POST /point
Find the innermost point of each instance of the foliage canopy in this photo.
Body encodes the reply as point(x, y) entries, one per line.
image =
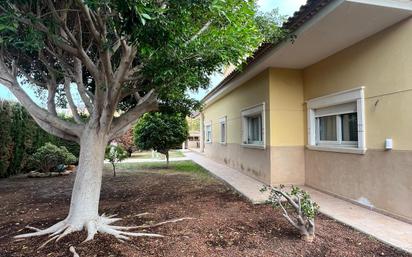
point(124, 47)
point(160, 132)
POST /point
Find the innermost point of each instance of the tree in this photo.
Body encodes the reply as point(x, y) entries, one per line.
point(160, 132)
point(269, 25)
point(304, 209)
point(115, 154)
point(126, 141)
point(124, 57)
point(6, 140)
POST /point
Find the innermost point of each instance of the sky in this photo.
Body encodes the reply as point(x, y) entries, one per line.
point(286, 7)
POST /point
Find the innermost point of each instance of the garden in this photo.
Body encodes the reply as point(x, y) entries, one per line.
point(222, 224)
point(126, 71)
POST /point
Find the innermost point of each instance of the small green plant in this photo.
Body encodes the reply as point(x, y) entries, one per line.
point(298, 208)
point(49, 156)
point(115, 154)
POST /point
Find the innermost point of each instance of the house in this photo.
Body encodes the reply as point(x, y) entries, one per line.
point(331, 110)
point(193, 139)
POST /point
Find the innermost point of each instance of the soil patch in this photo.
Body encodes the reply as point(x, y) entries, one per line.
point(225, 224)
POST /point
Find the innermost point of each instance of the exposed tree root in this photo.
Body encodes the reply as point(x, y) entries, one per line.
point(73, 251)
point(101, 224)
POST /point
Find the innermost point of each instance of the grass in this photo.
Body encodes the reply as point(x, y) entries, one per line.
point(148, 155)
point(187, 167)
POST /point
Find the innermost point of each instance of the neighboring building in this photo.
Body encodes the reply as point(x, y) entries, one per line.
point(193, 140)
point(332, 110)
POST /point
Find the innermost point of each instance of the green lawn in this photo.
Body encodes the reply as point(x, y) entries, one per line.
point(188, 167)
point(148, 155)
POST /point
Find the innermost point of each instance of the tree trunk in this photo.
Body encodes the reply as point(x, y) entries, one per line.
point(167, 159)
point(86, 190)
point(84, 205)
point(114, 169)
point(307, 232)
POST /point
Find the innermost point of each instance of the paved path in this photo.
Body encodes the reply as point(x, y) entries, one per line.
point(245, 185)
point(386, 229)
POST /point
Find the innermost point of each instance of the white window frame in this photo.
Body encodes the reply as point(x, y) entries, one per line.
point(355, 95)
point(222, 121)
point(249, 112)
point(208, 140)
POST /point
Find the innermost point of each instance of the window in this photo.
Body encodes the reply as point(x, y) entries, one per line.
point(339, 129)
point(253, 126)
point(208, 132)
point(223, 129)
point(254, 129)
point(336, 122)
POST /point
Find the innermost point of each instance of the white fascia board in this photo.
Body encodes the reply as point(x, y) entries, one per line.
point(396, 4)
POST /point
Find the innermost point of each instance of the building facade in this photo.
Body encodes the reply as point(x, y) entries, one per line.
point(331, 110)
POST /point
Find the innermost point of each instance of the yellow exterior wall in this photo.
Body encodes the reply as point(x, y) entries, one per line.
point(383, 65)
point(286, 107)
point(253, 92)
point(252, 161)
point(286, 127)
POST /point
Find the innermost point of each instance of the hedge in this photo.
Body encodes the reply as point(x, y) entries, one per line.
point(20, 137)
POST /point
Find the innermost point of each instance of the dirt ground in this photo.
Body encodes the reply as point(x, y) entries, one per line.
point(225, 224)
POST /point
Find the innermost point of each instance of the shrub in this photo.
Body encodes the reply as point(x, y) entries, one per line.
point(303, 209)
point(20, 137)
point(115, 154)
point(47, 157)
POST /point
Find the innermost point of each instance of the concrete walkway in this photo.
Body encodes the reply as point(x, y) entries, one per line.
point(245, 185)
point(386, 229)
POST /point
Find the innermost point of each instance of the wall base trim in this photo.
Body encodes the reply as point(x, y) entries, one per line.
point(377, 210)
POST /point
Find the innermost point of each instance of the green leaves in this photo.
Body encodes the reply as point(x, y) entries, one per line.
point(269, 26)
point(184, 42)
point(179, 43)
point(144, 17)
point(307, 206)
point(160, 131)
point(115, 153)
point(49, 156)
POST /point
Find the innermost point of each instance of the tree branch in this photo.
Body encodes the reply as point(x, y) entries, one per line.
point(82, 54)
point(51, 94)
point(42, 28)
point(122, 124)
point(56, 132)
point(86, 98)
point(200, 32)
point(86, 12)
point(37, 112)
point(70, 101)
point(123, 70)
